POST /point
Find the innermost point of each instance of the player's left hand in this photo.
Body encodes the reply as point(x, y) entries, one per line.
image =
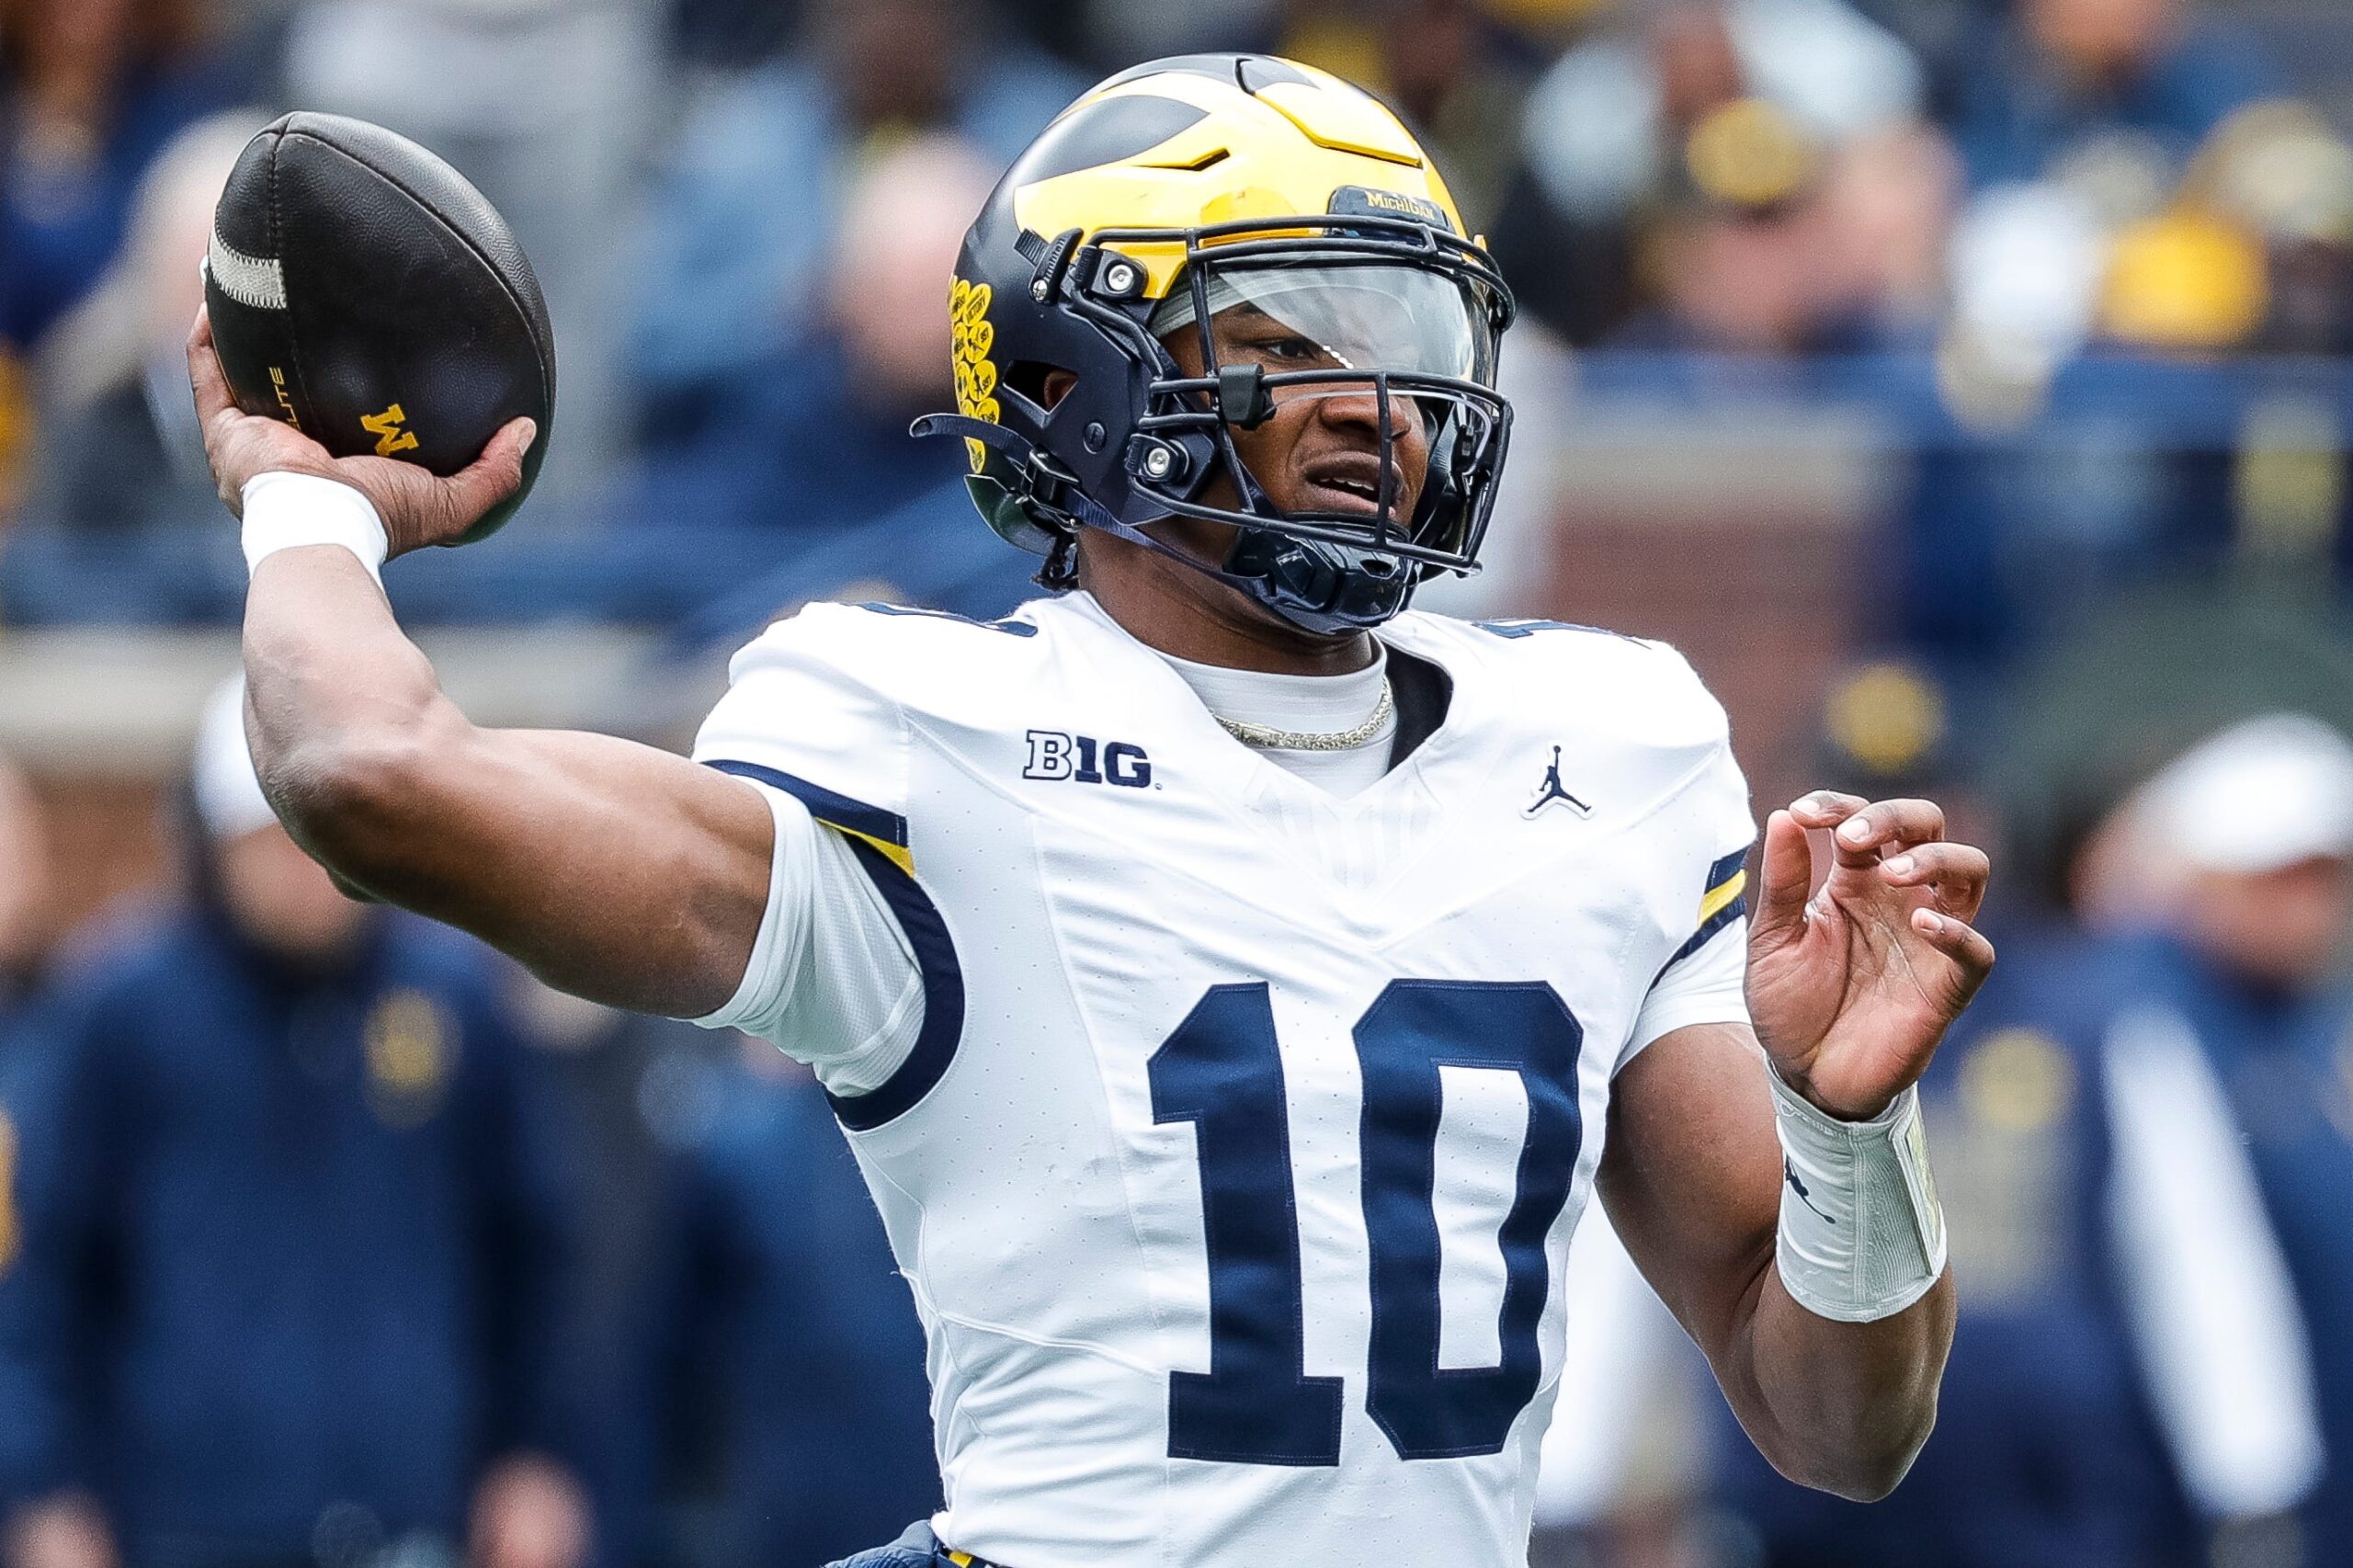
point(1852, 987)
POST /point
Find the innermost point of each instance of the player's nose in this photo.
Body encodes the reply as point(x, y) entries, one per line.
point(1358, 412)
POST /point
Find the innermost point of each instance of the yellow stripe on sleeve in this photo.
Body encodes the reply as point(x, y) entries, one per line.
point(1721, 895)
point(897, 854)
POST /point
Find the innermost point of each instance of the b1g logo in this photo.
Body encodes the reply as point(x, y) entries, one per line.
point(1054, 754)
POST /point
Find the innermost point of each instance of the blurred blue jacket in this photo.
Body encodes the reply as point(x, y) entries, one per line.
point(794, 1404)
point(291, 1243)
point(2285, 1063)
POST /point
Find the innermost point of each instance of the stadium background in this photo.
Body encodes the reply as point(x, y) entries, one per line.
point(1963, 384)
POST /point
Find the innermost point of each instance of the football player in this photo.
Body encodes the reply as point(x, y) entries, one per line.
point(1234, 983)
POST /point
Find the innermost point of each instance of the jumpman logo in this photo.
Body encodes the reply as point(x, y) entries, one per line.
point(1790, 1174)
point(1552, 791)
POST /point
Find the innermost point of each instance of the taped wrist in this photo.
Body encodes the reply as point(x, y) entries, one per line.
point(1861, 1236)
point(285, 511)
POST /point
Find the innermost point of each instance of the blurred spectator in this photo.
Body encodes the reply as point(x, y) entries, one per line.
point(90, 91)
point(815, 435)
point(2242, 977)
point(1778, 248)
point(2151, 79)
point(1739, 102)
point(2232, 465)
point(1453, 69)
point(124, 452)
point(750, 221)
point(812, 442)
point(94, 88)
point(25, 884)
point(547, 107)
point(292, 1238)
point(795, 1407)
point(25, 881)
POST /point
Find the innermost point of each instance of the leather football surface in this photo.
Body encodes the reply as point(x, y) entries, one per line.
point(360, 289)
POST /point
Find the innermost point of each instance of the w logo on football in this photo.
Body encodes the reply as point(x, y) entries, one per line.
point(386, 428)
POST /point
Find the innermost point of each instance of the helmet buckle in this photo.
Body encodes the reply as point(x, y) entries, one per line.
point(1156, 461)
point(1052, 263)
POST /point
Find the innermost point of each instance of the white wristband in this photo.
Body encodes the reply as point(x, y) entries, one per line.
point(1861, 1235)
point(285, 511)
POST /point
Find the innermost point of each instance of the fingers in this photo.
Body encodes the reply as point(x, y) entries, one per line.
point(493, 476)
point(1890, 823)
point(1783, 881)
point(1860, 830)
point(1956, 873)
point(204, 374)
point(1959, 941)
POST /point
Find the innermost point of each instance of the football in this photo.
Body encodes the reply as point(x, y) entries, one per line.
point(360, 289)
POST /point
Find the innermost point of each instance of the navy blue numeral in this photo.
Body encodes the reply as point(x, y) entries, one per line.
point(1415, 1027)
point(1222, 1072)
point(1222, 1069)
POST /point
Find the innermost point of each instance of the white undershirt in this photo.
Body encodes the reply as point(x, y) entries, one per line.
point(1313, 705)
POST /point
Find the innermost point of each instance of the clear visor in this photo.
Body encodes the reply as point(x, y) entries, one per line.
point(1362, 317)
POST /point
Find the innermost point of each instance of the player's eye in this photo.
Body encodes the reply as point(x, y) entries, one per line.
point(1283, 348)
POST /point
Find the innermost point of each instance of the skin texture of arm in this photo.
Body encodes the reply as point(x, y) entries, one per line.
point(613, 870)
point(1852, 983)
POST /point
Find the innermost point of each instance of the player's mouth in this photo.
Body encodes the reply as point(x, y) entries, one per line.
point(1347, 483)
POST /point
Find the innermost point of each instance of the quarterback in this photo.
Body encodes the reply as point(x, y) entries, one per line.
point(1234, 984)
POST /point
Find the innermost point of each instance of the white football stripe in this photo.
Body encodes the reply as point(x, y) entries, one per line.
point(250, 280)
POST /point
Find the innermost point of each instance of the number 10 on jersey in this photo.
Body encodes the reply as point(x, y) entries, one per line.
point(1222, 1069)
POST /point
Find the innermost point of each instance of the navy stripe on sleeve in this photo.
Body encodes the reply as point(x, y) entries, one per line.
point(824, 804)
point(943, 1000)
point(1715, 922)
point(926, 933)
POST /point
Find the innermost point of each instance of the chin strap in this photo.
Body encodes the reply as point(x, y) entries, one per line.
point(1094, 515)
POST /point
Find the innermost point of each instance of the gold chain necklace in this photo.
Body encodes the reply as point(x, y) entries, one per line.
point(1266, 738)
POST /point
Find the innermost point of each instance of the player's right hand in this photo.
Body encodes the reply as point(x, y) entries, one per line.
point(418, 507)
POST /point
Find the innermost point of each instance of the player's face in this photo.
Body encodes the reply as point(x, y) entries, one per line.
point(1321, 449)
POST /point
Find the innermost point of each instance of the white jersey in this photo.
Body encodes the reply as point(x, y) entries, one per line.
point(1234, 1159)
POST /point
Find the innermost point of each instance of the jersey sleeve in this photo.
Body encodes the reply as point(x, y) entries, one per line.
point(799, 718)
point(833, 980)
point(1709, 987)
point(1704, 982)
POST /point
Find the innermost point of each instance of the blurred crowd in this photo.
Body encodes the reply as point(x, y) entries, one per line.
point(2089, 263)
point(329, 1240)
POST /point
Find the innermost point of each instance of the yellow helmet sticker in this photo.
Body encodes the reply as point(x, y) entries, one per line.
point(968, 312)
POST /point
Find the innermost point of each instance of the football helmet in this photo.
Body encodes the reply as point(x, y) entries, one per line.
point(1165, 200)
